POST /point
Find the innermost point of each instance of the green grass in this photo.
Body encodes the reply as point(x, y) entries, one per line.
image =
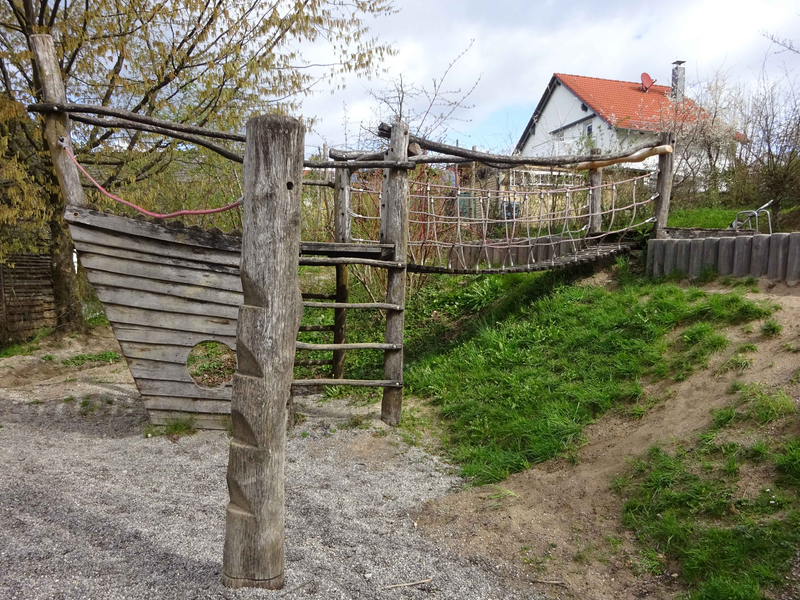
point(25, 348)
point(211, 363)
point(520, 384)
point(81, 359)
point(179, 426)
point(788, 462)
point(771, 328)
point(711, 218)
point(727, 547)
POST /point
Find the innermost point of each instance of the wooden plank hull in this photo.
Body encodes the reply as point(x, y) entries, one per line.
point(164, 290)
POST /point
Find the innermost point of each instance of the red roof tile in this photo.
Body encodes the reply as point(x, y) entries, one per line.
point(623, 103)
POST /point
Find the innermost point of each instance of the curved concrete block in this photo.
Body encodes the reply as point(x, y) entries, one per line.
point(684, 252)
point(658, 258)
point(725, 259)
point(741, 255)
point(778, 253)
point(759, 255)
point(793, 259)
point(710, 254)
point(696, 258)
point(670, 256)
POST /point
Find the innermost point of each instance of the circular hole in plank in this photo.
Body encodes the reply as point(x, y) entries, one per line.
point(211, 364)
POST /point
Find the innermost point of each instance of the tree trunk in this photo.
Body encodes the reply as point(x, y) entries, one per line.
point(69, 311)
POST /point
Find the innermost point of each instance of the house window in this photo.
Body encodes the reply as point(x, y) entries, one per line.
point(584, 108)
point(589, 130)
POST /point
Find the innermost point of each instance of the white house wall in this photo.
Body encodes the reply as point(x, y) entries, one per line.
point(564, 108)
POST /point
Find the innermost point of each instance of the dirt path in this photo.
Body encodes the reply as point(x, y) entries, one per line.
point(90, 508)
point(561, 522)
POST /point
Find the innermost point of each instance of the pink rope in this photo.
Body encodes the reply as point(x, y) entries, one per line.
point(208, 211)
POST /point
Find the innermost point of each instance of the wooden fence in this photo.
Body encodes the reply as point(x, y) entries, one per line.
point(26, 297)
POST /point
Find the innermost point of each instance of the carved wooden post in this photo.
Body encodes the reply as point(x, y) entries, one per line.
point(265, 344)
point(56, 126)
point(341, 225)
point(663, 186)
point(394, 230)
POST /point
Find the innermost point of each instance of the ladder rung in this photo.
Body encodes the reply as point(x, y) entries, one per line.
point(352, 305)
point(317, 328)
point(308, 261)
point(366, 346)
point(311, 363)
point(353, 382)
point(319, 296)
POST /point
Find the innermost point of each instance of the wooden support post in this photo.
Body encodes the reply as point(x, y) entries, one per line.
point(269, 319)
point(595, 200)
point(341, 225)
point(56, 125)
point(666, 164)
point(394, 230)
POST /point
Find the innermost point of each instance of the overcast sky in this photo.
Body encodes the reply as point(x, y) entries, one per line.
point(519, 44)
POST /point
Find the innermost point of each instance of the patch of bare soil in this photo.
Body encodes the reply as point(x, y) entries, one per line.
point(558, 524)
point(42, 375)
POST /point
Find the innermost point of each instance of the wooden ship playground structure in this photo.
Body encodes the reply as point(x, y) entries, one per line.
point(165, 288)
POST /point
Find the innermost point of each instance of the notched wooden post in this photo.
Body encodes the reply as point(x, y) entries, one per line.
point(56, 126)
point(267, 329)
point(394, 230)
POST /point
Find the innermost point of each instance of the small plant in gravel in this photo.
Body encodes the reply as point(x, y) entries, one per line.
point(738, 362)
point(81, 359)
point(744, 348)
point(48, 358)
point(68, 399)
point(35, 402)
point(771, 328)
point(355, 422)
point(177, 427)
point(87, 407)
point(748, 328)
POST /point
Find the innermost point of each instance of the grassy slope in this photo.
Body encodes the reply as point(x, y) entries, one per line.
point(684, 504)
point(520, 391)
point(713, 218)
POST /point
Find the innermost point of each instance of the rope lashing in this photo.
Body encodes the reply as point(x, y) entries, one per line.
point(208, 211)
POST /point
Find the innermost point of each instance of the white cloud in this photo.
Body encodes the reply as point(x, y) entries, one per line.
point(519, 44)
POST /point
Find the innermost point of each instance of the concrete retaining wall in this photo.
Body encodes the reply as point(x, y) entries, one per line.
point(775, 256)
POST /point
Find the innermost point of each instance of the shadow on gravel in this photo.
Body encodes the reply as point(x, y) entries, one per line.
point(91, 416)
point(91, 546)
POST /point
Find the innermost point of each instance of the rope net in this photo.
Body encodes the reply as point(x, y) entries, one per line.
point(508, 221)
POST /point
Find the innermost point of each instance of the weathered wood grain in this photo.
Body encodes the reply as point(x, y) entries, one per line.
point(180, 389)
point(148, 300)
point(394, 230)
point(268, 323)
point(153, 335)
point(187, 405)
point(168, 320)
point(179, 290)
point(158, 259)
point(203, 421)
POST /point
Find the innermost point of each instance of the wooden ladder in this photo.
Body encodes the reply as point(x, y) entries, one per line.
point(390, 254)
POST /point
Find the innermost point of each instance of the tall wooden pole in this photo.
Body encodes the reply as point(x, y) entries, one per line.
point(56, 126)
point(666, 164)
point(595, 201)
point(394, 230)
point(267, 329)
point(341, 223)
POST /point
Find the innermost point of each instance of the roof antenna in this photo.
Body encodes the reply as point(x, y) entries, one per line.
point(647, 82)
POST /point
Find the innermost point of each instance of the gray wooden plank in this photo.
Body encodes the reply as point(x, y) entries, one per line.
point(156, 352)
point(159, 258)
point(179, 389)
point(168, 273)
point(149, 246)
point(139, 299)
point(166, 320)
point(201, 421)
point(153, 335)
point(187, 405)
point(164, 371)
point(179, 290)
point(93, 218)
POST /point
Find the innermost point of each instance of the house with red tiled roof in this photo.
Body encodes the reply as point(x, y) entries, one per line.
point(576, 113)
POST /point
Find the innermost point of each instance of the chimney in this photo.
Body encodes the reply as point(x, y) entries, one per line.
point(678, 80)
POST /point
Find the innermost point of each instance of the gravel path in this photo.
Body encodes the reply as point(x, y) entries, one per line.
point(89, 508)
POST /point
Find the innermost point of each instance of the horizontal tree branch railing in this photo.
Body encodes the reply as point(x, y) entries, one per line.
point(361, 346)
point(120, 113)
point(316, 328)
point(385, 130)
point(378, 305)
point(307, 261)
point(352, 382)
point(112, 123)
